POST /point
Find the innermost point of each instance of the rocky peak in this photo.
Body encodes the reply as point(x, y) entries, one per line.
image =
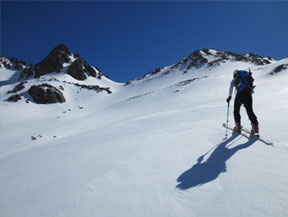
point(11, 63)
point(196, 59)
point(54, 61)
point(61, 49)
point(77, 67)
point(211, 58)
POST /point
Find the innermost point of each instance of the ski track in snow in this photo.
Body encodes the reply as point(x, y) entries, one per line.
point(158, 154)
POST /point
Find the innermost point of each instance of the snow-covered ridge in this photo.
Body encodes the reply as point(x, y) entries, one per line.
point(205, 58)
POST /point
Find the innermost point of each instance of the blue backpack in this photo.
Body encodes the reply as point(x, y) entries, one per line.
point(244, 81)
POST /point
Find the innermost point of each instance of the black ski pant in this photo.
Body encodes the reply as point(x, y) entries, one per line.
point(244, 97)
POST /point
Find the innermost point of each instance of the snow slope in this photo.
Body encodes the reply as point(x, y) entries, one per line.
point(152, 148)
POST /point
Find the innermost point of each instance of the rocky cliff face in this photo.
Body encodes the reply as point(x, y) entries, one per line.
point(79, 70)
point(56, 60)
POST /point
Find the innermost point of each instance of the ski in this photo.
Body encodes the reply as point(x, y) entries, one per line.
point(244, 131)
point(258, 137)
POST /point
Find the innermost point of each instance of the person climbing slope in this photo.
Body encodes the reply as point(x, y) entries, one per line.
point(243, 83)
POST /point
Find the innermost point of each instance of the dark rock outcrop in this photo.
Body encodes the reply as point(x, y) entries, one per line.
point(280, 68)
point(54, 61)
point(12, 63)
point(18, 65)
point(18, 87)
point(189, 81)
point(76, 70)
point(45, 94)
point(96, 88)
point(196, 59)
point(79, 68)
point(27, 72)
point(14, 98)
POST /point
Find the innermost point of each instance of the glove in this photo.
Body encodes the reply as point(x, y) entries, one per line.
point(228, 99)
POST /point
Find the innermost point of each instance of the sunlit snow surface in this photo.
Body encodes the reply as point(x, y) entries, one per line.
point(152, 148)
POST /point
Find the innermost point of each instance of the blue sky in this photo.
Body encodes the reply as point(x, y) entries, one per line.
point(129, 39)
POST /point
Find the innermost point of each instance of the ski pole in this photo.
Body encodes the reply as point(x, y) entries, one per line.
point(227, 121)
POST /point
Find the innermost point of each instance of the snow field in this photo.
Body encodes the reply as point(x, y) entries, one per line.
point(160, 153)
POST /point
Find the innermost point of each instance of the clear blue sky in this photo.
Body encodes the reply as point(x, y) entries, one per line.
point(128, 39)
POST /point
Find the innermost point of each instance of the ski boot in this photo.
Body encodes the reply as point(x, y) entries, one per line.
point(254, 130)
point(237, 127)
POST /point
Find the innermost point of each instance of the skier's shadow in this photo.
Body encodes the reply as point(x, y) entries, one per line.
point(202, 173)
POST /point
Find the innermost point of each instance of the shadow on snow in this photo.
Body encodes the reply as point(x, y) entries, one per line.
point(202, 173)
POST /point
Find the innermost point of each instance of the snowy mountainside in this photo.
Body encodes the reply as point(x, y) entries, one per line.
point(206, 58)
point(200, 64)
point(56, 75)
point(153, 147)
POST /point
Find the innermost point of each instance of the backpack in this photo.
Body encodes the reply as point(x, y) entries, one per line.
point(244, 81)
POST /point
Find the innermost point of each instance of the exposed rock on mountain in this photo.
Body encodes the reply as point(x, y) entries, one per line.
point(96, 88)
point(189, 81)
point(78, 69)
point(45, 93)
point(199, 58)
point(18, 87)
point(194, 60)
point(14, 98)
point(27, 72)
point(54, 61)
point(280, 68)
point(11, 63)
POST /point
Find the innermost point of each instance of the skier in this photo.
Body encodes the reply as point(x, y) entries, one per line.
point(243, 82)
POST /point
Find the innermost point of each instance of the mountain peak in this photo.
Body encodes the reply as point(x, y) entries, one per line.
point(60, 49)
point(212, 58)
point(54, 61)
